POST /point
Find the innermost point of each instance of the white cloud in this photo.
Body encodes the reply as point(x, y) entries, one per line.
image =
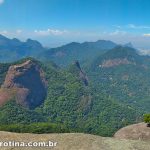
point(144, 51)
point(48, 32)
point(13, 33)
point(146, 34)
point(133, 26)
point(19, 31)
point(117, 26)
point(4, 32)
point(118, 32)
point(1, 2)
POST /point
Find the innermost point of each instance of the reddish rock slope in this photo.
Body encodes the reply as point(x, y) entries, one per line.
point(25, 83)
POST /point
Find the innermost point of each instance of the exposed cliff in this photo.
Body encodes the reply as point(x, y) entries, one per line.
point(114, 62)
point(25, 83)
point(77, 71)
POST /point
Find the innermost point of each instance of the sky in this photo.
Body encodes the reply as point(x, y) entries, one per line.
point(56, 22)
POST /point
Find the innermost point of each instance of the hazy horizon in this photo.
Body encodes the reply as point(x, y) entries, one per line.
point(57, 22)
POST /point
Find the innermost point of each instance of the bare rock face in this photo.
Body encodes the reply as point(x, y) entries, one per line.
point(114, 62)
point(82, 75)
point(138, 131)
point(73, 141)
point(26, 83)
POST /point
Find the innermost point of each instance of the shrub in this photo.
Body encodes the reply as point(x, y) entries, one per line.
point(147, 119)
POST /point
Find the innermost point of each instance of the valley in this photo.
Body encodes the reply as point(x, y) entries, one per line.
point(108, 91)
point(74, 75)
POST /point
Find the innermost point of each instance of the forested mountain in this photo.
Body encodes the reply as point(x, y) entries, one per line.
point(124, 75)
point(14, 49)
point(100, 88)
point(82, 52)
point(70, 99)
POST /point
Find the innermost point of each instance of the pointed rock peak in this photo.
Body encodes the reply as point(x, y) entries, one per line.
point(100, 41)
point(24, 64)
point(121, 51)
point(33, 43)
point(74, 43)
point(128, 45)
point(29, 40)
point(16, 40)
point(77, 71)
point(77, 64)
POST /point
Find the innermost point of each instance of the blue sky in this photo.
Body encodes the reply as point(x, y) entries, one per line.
point(55, 22)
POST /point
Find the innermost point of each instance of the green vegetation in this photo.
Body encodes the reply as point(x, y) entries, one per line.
point(14, 49)
point(3, 70)
point(38, 128)
point(128, 84)
point(12, 113)
point(113, 98)
point(109, 102)
point(83, 52)
point(147, 119)
point(82, 108)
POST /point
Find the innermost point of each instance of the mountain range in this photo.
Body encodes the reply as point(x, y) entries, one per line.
point(82, 52)
point(14, 49)
point(92, 87)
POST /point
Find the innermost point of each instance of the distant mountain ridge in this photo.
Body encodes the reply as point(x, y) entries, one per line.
point(14, 49)
point(127, 54)
point(68, 53)
point(128, 45)
point(106, 88)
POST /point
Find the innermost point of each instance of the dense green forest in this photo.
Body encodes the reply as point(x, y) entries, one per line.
point(129, 83)
point(38, 128)
point(79, 107)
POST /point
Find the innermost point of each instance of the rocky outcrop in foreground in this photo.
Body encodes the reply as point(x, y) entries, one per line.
point(138, 131)
point(75, 141)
